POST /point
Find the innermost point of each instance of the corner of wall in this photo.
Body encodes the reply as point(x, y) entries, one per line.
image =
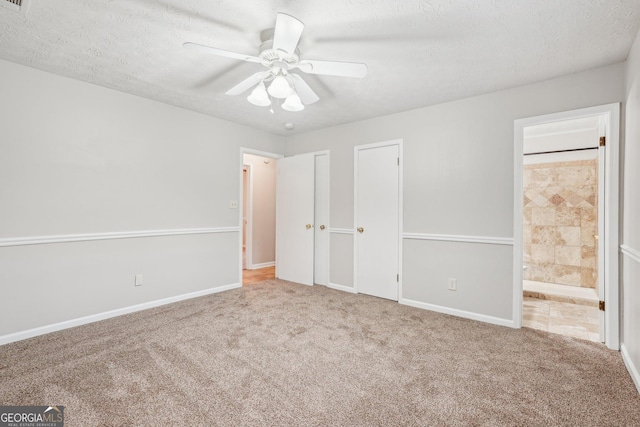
point(632, 69)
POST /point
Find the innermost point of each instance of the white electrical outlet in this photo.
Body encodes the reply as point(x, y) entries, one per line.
point(453, 284)
point(138, 281)
point(233, 204)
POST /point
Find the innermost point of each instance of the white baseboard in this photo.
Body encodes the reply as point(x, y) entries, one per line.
point(342, 288)
point(458, 313)
point(262, 265)
point(631, 367)
point(18, 336)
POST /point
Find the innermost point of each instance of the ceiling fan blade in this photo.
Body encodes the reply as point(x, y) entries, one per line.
point(220, 52)
point(331, 68)
point(306, 94)
point(246, 84)
point(287, 33)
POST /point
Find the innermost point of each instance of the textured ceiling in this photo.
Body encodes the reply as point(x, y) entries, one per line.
point(418, 52)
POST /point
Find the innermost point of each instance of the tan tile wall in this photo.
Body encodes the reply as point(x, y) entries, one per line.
point(560, 221)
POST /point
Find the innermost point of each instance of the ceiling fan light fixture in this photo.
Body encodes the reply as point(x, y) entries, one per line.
point(293, 103)
point(259, 96)
point(279, 53)
point(280, 88)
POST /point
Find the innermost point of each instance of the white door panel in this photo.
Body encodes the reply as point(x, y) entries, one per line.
point(294, 219)
point(377, 221)
point(321, 229)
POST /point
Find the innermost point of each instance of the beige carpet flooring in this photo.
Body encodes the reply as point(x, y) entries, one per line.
point(277, 353)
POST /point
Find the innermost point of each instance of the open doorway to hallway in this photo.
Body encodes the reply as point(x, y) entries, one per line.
point(258, 217)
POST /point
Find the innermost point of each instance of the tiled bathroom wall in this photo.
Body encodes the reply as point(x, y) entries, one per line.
point(560, 222)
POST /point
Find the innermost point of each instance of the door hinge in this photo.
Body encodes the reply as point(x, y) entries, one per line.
point(398, 161)
point(601, 305)
point(397, 278)
point(603, 141)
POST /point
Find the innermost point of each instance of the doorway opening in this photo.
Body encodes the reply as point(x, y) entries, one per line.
point(563, 190)
point(566, 223)
point(258, 212)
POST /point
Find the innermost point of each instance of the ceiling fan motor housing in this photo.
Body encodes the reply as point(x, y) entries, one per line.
point(270, 56)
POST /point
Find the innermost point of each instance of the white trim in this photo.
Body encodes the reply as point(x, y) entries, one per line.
point(341, 230)
point(563, 156)
point(327, 254)
point(259, 153)
point(17, 336)
point(630, 252)
point(609, 239)
point(457, 238)
point(400, 215)
point(562, 132)
point(262, 265)
point(601, 227)
point(356, 149)
point(66, 238)
point(457, 313)
point(633, 369)
point(343, 288)
point(248, 229)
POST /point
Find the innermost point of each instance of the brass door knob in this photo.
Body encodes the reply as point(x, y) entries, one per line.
point(360, 230)
point(322, 227)
point(309, 226)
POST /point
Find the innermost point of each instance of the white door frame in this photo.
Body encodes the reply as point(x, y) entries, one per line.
point(356, 149)
point(244, 151)
point(328, 225)
point(249, 228)
point(610, 243)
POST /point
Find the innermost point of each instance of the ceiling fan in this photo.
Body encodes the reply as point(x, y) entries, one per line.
point(280, 55)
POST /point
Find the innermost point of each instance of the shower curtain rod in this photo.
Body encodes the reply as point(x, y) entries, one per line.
point(562, 151)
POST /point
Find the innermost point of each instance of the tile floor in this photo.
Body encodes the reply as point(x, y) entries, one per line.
point(560, 293)
point(563, 318)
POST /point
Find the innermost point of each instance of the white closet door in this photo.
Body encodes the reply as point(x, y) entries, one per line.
point(294, 218)
point(377, 221)
point(321, 266)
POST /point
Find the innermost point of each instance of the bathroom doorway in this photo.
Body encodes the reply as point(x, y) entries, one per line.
point(561, 199)
point(566, 169)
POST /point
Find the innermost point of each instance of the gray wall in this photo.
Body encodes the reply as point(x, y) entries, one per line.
point(81, 159)
point(77, 158)
point(458, 181)
point(630, 342)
